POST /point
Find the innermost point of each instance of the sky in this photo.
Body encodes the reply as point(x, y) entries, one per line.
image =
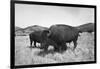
point(44, 15)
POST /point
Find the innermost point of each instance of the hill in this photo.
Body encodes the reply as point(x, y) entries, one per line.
point(17, 28)
point(26, 31)
point(89, 27)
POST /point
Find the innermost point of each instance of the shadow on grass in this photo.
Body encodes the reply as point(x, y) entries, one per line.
point(43, 53)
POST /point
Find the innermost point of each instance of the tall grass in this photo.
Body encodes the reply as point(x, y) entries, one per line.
point(26, 56)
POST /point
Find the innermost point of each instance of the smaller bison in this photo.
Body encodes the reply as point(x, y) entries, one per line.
point(41, 37)
point(36, 34)
point(36, 37)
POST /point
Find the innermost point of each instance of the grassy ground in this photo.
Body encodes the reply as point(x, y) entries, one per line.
point(27, 56)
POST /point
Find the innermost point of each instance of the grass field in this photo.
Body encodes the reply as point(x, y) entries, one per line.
point(29, 56)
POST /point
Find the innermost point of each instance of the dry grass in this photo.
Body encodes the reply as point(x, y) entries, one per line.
point(26, 56)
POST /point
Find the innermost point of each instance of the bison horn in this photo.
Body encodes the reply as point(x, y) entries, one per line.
point(49, 33)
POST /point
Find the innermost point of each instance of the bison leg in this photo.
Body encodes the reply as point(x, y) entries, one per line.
point(75, 43)
point(60, 48)
point(34, 43)
point(63, 47)
point(46, 48)
point(31, 43)
point(56, 49)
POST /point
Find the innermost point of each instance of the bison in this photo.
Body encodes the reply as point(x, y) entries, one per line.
point(41, 37)
point(36, 34)
point(36, 37)
point(60, 34)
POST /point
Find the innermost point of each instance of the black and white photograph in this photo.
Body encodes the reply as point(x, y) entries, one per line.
point(50, 34)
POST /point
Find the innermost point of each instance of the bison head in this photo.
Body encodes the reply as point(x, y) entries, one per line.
point(46, 41)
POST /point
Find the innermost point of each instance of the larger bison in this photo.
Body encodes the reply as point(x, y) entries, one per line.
point(60, 34)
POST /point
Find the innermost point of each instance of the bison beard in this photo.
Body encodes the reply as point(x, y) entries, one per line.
point(46, 41)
